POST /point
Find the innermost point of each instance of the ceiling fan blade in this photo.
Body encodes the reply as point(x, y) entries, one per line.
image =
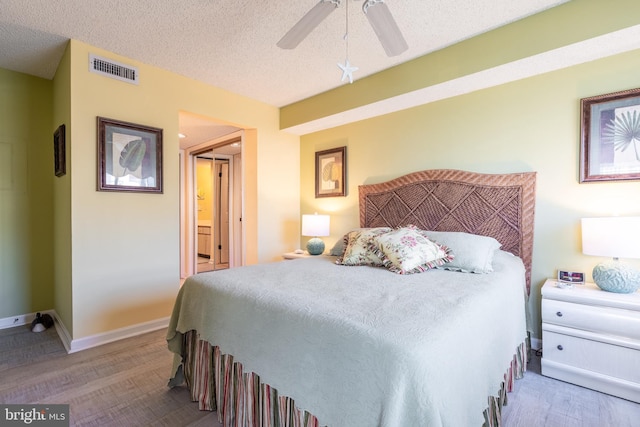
point(385, 27)
point(308, 22)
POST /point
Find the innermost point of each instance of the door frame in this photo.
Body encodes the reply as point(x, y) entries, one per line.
point(215, 211)
point(188, 244)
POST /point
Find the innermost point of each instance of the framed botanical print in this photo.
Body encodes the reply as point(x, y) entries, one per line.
point(331, 172)
point(610, 137)
point(129, 157)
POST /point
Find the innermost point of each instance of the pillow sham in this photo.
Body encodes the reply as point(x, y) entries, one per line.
point(340, 246)
point(406, 250)
point(357, 250)
point(473, 253)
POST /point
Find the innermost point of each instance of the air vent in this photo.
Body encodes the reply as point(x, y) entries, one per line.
point(113, 69)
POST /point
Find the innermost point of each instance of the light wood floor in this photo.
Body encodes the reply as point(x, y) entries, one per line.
point(117, 384)
point(541, 401)
point(124, 384)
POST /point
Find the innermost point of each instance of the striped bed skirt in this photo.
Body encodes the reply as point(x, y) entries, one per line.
point(219, 384)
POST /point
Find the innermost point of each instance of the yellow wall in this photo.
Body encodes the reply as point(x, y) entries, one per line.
point(63, 297)
point(125, 246)
point(26, 177)
point(529, 125)
point(205, 189)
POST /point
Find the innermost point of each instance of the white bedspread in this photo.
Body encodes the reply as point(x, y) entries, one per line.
point(361, 346)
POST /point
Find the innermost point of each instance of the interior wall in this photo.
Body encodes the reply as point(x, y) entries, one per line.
point(63, 296)
point(26, 201)
point(204, 191)
point(125, 257)
point(528, 125)
point(555, 28)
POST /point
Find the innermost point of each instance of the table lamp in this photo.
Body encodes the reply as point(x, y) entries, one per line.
point(315, 226)
point(616, 237)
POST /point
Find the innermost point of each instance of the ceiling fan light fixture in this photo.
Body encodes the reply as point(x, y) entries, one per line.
point(385, 27)
point(307, 24)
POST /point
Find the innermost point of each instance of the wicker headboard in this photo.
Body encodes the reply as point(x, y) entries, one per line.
point(498, 205)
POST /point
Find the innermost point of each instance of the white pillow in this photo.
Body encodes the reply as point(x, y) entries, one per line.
point(473, 253)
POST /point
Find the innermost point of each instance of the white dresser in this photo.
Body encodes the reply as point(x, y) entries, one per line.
point(592, 338)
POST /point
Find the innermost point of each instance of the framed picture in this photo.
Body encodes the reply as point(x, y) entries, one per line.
point(59, 151)
point(129, 157)
point(331, 172)
point(610, 137)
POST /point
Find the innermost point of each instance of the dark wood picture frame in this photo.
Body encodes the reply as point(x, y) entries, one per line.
point(59, 151)
point(331, 166)
point(610, 137)
point(129, 157)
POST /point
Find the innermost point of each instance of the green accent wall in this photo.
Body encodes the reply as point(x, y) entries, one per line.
point(554, 28)
point(26, 201)
point(528, 125)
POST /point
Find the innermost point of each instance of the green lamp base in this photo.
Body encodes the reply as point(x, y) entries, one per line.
point(315, 246)
point(615, 276)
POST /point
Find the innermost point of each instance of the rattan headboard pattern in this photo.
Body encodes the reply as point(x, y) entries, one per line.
point(501, 206)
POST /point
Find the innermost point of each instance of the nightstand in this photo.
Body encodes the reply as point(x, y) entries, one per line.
point(591, 338)
point(293, 255)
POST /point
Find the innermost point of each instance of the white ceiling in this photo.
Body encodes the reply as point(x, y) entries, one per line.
point(231, 44)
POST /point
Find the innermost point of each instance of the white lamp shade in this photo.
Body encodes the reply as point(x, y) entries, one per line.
point(315, 225)
point(615, 237)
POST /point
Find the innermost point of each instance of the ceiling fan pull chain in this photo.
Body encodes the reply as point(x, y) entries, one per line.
point(347, 68)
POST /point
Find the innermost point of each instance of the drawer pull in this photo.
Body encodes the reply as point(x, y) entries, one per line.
point(559, 314)
point(560, 347)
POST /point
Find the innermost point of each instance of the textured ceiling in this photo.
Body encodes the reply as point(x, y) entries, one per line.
point(231, 44)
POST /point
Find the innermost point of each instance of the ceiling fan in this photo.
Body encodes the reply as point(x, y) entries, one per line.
point(376, 12)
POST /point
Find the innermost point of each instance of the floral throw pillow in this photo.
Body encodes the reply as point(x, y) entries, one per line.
point(406, 251)
point(357, 249)
point(341, 245)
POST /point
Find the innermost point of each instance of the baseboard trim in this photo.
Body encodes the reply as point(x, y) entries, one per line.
point(91, 341)
point(62, 331)
point(22, 319)
point(73, 346)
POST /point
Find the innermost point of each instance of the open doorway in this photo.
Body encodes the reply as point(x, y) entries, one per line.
point(212, 195)
point(214, 173)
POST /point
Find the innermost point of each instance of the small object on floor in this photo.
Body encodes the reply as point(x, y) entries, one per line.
point(41, 322)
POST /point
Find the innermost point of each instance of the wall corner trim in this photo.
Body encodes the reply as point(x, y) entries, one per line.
point(73, 346)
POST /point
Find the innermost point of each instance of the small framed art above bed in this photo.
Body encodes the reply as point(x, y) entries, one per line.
point(343, 341)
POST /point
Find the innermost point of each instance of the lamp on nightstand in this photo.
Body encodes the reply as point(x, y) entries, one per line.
point(616, 237)
point(315, 226)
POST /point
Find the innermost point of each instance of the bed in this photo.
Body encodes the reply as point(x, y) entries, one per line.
point(314, 343)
